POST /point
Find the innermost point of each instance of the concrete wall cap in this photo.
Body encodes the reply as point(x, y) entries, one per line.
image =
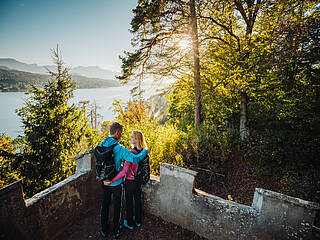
point(289, 199)
point(218, 200)
point(178, 169)
point(82, 154)
point(11, 187)
point(154, 178)
point(41, 195)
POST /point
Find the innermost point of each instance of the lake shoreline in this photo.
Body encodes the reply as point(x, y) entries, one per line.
point(10, 123)
point(1, 90)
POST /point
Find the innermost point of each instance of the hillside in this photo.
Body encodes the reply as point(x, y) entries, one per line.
point(90, 71)
point(157, 106)
point(15, 81)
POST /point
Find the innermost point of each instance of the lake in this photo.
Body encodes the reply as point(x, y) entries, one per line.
point(10, 123)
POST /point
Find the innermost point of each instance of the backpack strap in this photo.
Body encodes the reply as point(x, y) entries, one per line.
point(121, 163)
point(132, 172)
point(112, 146)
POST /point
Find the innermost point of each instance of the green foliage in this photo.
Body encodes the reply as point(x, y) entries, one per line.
point(165, 142)
point(167, 145)
point(215, 146)
point(285, 108)
point(7, 173)
point(53, 131)
point(105, 128)
point(181, 103)
point(278, 68)
point(92, 139)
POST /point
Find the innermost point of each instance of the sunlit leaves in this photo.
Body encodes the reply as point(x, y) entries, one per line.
point(165, 142)
point(7, 172)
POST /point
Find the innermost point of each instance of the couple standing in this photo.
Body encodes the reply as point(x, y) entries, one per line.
point(114, 187)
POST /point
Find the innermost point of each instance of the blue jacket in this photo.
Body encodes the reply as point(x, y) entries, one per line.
point(120, 152)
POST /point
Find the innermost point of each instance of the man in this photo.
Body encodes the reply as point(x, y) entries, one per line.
point(120, 152)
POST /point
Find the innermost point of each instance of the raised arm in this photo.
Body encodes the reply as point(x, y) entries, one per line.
point(130, 157)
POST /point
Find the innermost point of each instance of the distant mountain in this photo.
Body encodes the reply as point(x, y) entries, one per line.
point(3, 67)
point(94, 71)
point(15, 81)
point(91, 71)
point(16, 65)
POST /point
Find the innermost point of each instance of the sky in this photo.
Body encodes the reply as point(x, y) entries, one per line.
point(88, 32)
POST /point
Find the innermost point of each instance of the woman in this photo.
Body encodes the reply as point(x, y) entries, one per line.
point(132, 188)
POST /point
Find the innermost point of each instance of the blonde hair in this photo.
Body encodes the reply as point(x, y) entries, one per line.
point(141, 143)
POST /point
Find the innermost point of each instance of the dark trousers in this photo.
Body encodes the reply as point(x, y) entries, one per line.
point(133, 194)
point(107, 191)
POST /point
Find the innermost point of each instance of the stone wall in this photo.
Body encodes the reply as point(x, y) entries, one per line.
point(172, 197)
point(50, 212)
point(271, 216)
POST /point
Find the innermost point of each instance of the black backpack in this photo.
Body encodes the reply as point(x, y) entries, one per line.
point(142, 174)
point(105, 165)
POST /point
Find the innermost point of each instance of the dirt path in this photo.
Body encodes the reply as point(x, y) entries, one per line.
point(153, 228)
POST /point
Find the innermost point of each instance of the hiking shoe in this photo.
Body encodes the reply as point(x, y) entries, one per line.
point(117, 234)
point(125, 223)
point(104, 235)
point(137, 224)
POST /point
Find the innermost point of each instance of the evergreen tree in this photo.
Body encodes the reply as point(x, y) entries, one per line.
point(53, 130)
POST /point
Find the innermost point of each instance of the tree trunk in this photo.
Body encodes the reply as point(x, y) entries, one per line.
point(95, 115)
point(196, 70)
point(244, 130)
point(249, 17)
point(91, 117)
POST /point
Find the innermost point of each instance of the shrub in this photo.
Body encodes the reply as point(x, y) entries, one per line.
point(165, 142)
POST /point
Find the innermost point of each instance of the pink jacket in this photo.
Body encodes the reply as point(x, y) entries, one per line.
point(126, 171)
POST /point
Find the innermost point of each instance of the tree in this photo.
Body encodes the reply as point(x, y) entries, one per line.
point(196, 60)
point(286, 103)
point(52, 129)
point(159, 26)
point(240, 36)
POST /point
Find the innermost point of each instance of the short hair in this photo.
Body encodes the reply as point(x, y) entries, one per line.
point(114, 127)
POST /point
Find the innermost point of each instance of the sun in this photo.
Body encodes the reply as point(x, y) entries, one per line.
point(183, 44)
